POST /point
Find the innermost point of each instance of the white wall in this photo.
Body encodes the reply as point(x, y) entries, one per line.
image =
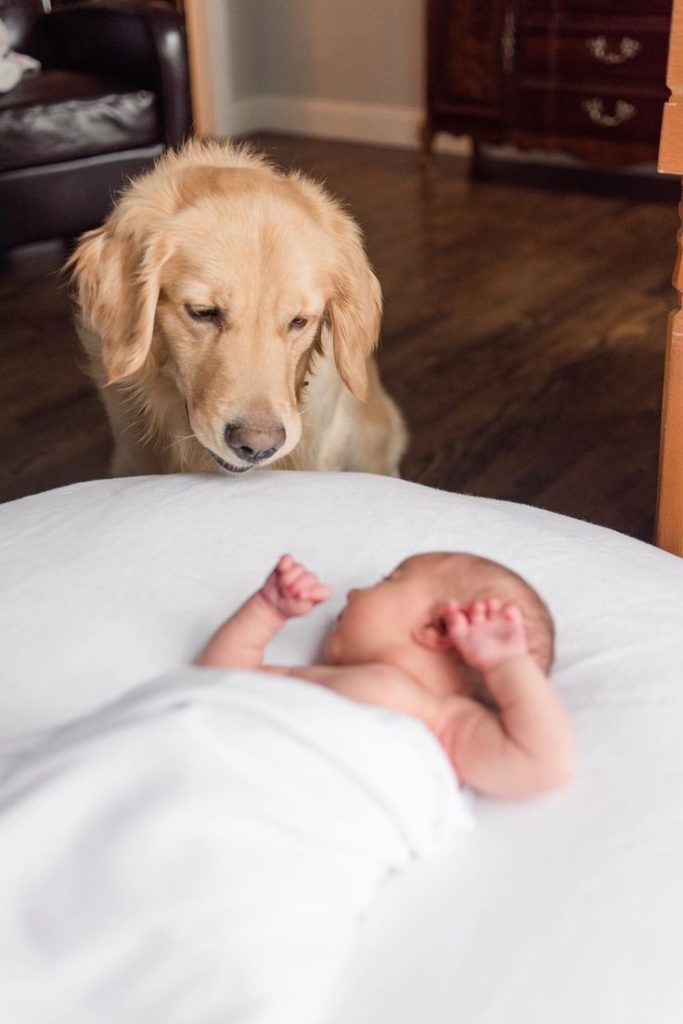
point(363, 51)
point(337, 68)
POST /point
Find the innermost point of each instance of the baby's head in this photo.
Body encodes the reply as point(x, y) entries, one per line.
point(406, 608)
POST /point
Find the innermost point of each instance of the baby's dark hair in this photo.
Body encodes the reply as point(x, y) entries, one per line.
point(470, 578)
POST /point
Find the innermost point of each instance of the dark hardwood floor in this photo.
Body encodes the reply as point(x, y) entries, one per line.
point(523, 337)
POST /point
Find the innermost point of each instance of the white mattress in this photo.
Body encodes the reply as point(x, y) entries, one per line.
point(566, 908)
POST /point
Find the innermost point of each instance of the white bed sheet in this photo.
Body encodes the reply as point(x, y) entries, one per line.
point(564, 909)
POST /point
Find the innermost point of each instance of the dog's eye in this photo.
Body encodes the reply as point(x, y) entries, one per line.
point(212, 313)
point(297, 323)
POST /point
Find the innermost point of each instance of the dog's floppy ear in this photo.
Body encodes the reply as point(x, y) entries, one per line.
point(118, 287)
point(355, 311)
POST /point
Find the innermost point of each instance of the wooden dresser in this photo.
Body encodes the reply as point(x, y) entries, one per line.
point(585, 77)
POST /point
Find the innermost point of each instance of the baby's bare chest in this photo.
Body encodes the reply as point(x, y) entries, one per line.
point(371, 682)
point(377, 684)
point(346, 675)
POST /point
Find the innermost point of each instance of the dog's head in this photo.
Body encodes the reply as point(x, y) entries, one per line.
point(223, 278)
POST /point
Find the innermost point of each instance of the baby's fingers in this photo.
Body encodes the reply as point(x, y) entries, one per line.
point(300, 582)
point(284, 563)
point(317, 593)
point(512, 611)
point(477, 612)
point(293, 575)
point(513, 614)
point(457, 623)
point(308, 587)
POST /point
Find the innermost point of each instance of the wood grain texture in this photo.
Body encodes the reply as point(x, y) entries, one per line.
point(555, 90)
point(523, 337)
point(669, 528)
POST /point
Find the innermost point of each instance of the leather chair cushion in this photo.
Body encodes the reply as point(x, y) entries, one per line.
point(20, 18)
point(60, 115)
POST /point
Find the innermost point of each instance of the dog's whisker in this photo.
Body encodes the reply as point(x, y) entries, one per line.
point(177, 441)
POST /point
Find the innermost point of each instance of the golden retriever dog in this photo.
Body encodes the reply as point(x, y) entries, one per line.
point(229, 313)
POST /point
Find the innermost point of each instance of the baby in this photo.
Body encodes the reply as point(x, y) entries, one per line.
point(460, 642)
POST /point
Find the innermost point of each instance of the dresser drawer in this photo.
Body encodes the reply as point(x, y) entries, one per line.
point(597, 8)
point(587, 77)
point(630, 117)
point(580, 54)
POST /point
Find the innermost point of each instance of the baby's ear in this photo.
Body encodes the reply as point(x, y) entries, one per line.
point(433, 634)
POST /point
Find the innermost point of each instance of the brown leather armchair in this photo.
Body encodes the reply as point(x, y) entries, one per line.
point(112, 94)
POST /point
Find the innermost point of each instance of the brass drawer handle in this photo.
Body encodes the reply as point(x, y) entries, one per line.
point(595, 109)
point(628, 49)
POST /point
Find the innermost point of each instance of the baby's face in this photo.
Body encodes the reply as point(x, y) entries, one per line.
point(382, 617)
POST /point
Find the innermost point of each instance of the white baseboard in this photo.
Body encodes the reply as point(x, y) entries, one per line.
point(376, 123)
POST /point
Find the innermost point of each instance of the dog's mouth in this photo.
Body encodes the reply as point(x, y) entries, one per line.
point(226, 465)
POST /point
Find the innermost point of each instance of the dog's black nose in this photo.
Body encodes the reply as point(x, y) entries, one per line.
point(254, 441)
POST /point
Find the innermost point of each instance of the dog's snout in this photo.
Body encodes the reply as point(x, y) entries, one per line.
point(254, 442)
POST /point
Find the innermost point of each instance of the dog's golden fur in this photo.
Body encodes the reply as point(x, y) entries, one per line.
point(225, 298)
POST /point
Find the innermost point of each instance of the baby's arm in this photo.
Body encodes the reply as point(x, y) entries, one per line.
point(289, 591)
point(528, 746)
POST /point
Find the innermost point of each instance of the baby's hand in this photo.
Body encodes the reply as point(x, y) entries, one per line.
point(292, 590)
point(487, 633)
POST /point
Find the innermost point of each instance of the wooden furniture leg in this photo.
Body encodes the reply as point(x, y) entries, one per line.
point(669, 533)
point(669, 530)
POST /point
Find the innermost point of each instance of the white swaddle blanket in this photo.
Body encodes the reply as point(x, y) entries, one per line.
point(201, 850)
